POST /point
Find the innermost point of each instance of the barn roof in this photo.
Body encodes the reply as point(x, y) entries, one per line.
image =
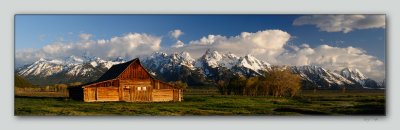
point(115, 71)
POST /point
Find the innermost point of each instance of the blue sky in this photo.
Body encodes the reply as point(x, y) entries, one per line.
point(35, 31)
point(330, 41)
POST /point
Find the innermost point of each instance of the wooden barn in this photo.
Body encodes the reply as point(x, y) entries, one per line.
point(129, 82)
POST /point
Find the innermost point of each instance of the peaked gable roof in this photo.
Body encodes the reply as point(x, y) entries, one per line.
point(115, 71)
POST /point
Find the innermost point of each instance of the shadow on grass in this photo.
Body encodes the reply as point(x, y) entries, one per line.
point(300, 111)
point(365, 109)
point(58, 98)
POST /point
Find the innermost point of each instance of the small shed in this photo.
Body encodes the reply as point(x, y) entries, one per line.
point(129, 82)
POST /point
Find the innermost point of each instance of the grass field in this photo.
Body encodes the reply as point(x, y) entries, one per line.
point(307, 103)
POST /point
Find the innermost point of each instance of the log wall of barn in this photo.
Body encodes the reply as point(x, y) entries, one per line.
point(107, 94)
point(105, 91)
point(136, 91)
point(159, 95)
point(132, 91)
point(134, 84)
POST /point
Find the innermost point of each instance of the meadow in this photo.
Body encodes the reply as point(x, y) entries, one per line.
point(205, 102)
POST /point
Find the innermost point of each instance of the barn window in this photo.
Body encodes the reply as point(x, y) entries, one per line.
point(139, 88)
point(144, 88)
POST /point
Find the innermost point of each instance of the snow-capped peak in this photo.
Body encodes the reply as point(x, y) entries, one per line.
point(186, 55)
point(161, 62)
point(212, 58)
point(72, 65)
point(42, 67)
point(352, 73)
point(355, 75)
point(247, 65)
point(182, 58)
point(253, 63)
point(212, 64)
point(41, 59)
point(320, 75)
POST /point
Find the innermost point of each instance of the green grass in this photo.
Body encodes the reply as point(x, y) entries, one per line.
point(334, 103)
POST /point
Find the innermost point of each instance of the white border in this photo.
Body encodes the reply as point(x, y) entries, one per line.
point(9, 8)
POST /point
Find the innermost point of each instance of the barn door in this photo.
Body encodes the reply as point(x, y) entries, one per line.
point(141, 94)
point(126, 93)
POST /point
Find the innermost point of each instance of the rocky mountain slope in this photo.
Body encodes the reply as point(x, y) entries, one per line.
point(208, 68)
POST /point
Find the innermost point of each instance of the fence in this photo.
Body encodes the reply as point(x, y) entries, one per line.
point(42, 92)
point(201, 92)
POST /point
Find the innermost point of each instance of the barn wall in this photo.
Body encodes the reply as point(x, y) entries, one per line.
point(107, 94)
point(132, 91)
point(159, 95)
point(89, 94)
point(136, 91)
point(177, 96)
point(134, 84)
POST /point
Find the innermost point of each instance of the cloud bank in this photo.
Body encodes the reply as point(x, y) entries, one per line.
point(268, 45)
point(129, 46)
point(265, 44)
point(342, 23)
point(334, 58)
point(271, 46)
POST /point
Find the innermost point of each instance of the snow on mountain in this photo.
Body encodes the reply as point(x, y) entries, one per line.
point(253, 63)
point(321, 76)
point(214, 59)
point(73, 66)
point(163, 62)
point(42, 68)
point(173, 67)
point(96, 62)
point(212, 65)
point(210, 58)
point(183, 58)
point(356, 76)
point(353, 74)
point(240, 65)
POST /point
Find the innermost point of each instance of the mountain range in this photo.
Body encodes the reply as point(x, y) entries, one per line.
point(207, 69)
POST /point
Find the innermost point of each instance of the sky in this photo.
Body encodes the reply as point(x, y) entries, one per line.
point(330, 41)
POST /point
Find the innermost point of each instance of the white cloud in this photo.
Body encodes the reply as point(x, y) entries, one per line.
point(85, 36)
point(178, 44)
point(176, 33)
point(128, 46)
point(266, 44)
point(269, 45)
point(342, 23)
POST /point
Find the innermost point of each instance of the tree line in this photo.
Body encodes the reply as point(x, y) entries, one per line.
point(277, 82)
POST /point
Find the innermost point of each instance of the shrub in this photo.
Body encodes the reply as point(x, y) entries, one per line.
point(282, 82)
point(179, 84)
